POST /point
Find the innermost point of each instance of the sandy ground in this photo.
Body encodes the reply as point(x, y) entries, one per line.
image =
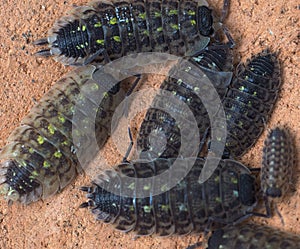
point(58, 222)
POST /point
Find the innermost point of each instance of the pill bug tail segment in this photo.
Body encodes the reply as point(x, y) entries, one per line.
point(41, 155)
point(254, 236)
point(188, 206)
point(250, 100)
point(277, 166)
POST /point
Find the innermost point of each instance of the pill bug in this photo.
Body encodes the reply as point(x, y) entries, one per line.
point(228, 196)
point(252, 236)
point(39, 158)
point(277, 164)
point(112, 29)
point(249, 102)
point(216, 63)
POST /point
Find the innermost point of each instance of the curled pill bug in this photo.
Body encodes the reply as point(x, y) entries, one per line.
point(252, 236)
point(108, 30)
point(228, 196)
point(40, 157)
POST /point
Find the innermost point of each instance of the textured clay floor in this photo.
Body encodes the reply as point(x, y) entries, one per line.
point(58, 222)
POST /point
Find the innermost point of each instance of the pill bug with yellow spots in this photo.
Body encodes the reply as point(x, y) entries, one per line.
point(112, 29)
point(277, 164)
point(249, 101)
point(40, 156)
point(252, 236)
point(216, 63)
point(229, 195)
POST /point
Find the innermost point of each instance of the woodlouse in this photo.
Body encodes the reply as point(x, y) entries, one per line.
point(252, 236)
point(249, 102)
point(39, 158)
point(228, 196)
point(112, 29)
point(277, 164)
point(215, 62)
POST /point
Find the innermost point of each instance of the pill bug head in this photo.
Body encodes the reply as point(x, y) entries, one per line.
point(205, 21)
point(16, 183)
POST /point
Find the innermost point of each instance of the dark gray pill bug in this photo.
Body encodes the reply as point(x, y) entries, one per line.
point(215, 66)
point(228, 196)
point(249, 101)
point(277, 164)
point(111, 29)
point(40, 157)
point(252, 236)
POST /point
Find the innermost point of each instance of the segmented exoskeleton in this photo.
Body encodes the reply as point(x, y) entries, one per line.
point(252, 236)
point(112, 29)
point(277, 164)
point(40, 157)
point(214, 65)
point(228, 196)
point(249, 102)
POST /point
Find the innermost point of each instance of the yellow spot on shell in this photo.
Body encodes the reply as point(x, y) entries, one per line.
point(40, 140)
point(101, 42)
point(157, 14)
point(83, 28)
point(113, 21)
point(51, 129)
point(173, 12)
point(234, 180)
point(97, 25)
point(146, 32)
point(191, 13)
point(146, 187)
point(218, 199)
point(61, 119)
point(131, 186)
point(193, 22)
point(46, 164)
point(174, 26)
point(58, 154)
point(34, 174)
point(31, 150)
point(117, 38)
point(142, 15)
point(160, 29)
point(65, 143)
point(147, 209)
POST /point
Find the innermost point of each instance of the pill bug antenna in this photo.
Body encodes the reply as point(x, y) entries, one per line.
point(124, 160)
point(225, 10)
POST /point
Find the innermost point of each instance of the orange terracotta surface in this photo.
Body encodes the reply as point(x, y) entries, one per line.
point(58, 222)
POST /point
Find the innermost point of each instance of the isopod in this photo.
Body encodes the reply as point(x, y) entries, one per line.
point(252, 236)
point(277, 164)
point(215, 63)
point(40, 157)
point(249, 102)
point(110, 30)
point(228, 196)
